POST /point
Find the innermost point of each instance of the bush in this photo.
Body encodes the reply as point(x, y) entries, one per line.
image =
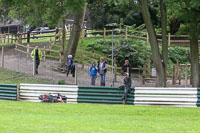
point(178, 53)
point(61, 82)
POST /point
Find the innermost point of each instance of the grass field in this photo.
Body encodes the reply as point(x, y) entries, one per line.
point(12, 77)
point(25, 117)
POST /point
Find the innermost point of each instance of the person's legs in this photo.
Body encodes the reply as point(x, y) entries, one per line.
point(68, 70)
point(37, 63)
point(93, 78)
point(101, 79)
point(124, 97)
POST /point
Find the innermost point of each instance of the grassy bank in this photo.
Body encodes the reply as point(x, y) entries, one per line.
point(12, 77)
point(23, 117)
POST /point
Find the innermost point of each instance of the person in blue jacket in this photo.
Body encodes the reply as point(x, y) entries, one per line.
point(93, 73)
point(71, 66)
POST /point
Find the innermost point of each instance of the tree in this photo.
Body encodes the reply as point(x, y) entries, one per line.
point(157, 59)
point(75, 35)
point(189, 13)
point(50, 12)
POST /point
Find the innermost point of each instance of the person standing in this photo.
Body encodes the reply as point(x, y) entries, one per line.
point(93, 73)
point(71, 66)
point(126, 87)
point(37, 55)
point(102, 69)
point(127, 67)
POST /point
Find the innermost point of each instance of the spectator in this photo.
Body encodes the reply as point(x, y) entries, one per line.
point(37, 55)
point(126, 87)
point(127, 67)
point(102, 69)
point(70, 66)
point(93, 73)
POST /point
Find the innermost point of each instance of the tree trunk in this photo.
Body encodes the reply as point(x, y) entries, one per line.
point(160, 81)
point(194, 48)
point(63, 35)
point(164, 34)
point(75, 35)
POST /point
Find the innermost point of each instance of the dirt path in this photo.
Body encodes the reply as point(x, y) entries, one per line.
point(20, 63)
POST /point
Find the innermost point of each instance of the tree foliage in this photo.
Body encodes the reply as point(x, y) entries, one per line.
point(41, 12)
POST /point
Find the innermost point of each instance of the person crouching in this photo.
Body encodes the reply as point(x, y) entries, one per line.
point(93, 73)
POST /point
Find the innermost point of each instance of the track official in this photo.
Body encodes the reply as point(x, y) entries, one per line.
point(37, 54)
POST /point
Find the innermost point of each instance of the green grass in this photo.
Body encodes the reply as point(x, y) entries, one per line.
point(12, 77)
point(25, 117)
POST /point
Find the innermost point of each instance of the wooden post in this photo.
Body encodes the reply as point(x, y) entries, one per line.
point(28, 50)
point(82, 58)
point(190, 75)
point(44, 53)
point(60, 57)
point(186, 75)
point(169, 39)
point(149, 68)
point(75, 79)
point(179, 76)
point(4, 39)
point(8, 36)
point(15, 38)
point(144, 74)
point(126, 32)
point(34, 66)
point(0, 38)
point(174, 75)
point(104, 33)
point(2, 57)
point(115, 70)
point(11, 38)
point(147, 38)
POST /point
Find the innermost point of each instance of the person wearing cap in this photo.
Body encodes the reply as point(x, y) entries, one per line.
point(127, 67)
point(126, 87)
point(93, 73)
point(102, 69)
point(71, 66)
point(37, 55)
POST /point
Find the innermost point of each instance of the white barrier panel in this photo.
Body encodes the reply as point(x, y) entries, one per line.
point(31, 92)
point(179, 97)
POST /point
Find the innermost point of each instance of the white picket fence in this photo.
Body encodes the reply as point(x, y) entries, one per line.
point(31, 92)
point(179, 97)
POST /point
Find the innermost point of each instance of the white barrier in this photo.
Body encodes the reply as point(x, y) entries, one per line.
point(31, 92)
point(179, 97)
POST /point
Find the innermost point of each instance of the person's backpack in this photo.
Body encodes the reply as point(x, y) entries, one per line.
point(53, 98)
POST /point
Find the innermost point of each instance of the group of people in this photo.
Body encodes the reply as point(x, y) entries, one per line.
point(100, 68)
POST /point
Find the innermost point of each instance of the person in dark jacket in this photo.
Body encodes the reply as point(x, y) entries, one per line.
point(126, 87)
point(37, 55)
point(93, 73)
point(71, 66)
point(127, 67)
point(102, 69)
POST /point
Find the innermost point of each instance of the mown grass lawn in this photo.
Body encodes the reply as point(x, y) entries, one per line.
point(13, 77)
point(26, 117)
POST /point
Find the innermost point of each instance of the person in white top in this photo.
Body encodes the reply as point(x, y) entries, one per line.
point(102, 69)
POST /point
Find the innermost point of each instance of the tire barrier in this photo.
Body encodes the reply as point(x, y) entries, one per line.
point(8, 92)
point(31, 92)
point(179, 97)
point(106, 95)
point(144, 96)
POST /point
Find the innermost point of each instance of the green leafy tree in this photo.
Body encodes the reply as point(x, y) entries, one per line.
point(188, 11)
